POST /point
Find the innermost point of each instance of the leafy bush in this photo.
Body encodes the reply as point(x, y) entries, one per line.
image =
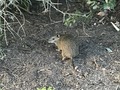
point(102, 4)
point(73, 18)
point(94, 5)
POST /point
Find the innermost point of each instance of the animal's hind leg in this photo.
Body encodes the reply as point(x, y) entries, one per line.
point(72, 63)
point(63, 56)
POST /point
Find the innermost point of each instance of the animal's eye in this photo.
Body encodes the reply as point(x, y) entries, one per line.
point(58, 36)
point(53, 39)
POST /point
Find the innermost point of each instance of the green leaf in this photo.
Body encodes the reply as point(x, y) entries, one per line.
point(43, 88)
point(50, 88)
point(109, 5)
point(38, 88)
point(46, 88)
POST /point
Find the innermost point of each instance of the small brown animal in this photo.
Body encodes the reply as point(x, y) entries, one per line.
point(66, 44)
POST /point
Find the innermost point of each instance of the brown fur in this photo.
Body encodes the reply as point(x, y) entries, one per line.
point(66, 44)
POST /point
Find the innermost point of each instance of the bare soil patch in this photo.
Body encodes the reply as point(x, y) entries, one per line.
point(33, 63)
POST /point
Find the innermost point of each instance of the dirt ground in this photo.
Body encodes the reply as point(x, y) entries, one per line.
point(33, 63)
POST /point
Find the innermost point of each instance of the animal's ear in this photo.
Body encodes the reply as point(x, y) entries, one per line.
point(58, 35)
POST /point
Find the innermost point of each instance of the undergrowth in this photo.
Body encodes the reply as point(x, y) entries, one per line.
point(9, 8)
point(93, 6)
point(8, 17)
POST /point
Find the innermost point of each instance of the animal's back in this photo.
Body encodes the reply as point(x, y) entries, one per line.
point(68, 46)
